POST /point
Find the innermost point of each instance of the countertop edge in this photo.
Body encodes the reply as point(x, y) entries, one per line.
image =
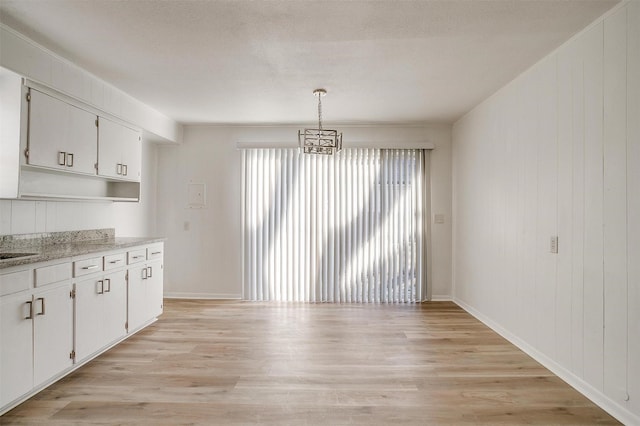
point(81, 248)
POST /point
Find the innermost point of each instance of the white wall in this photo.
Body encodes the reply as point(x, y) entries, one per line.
point(205, 259)
point(557, 152)
point(128, 219)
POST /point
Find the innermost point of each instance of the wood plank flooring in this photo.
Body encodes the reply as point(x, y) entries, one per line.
point(234, 363)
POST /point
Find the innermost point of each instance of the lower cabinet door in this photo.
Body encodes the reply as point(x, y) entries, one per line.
point(155, 290)
point(16, 361)
point(89, 315)
point(52, 331)
point(115, 306)
point(137, 302)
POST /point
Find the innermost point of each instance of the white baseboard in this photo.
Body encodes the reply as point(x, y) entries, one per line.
point(214, 296)
point(441, 298)
point(596, 396)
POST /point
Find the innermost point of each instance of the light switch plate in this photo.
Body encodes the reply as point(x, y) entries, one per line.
point(438, 218)
point(554, 244)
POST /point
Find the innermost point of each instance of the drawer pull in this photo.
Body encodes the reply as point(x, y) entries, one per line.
point(156, 252)
point(90, 267)
point(41, 299)
point(137, 257)
point(30, 303)
point(115, 261)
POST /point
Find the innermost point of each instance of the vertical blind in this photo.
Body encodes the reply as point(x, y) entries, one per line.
point(340, 228)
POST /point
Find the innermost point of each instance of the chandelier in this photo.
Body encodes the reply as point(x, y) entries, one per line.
point(320, 141)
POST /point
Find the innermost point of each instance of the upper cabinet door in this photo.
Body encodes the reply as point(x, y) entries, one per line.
point(109, 148)
point(119, 151)
point(61, 136)
point(132, 154)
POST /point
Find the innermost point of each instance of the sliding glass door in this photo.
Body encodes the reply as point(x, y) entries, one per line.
point(341, 228)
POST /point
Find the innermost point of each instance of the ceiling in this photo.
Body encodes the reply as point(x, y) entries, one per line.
point(257, 62)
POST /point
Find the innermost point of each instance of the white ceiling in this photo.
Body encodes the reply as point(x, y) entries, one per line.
point(259, 61)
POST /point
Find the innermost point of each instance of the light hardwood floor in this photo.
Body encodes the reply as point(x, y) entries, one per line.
point(230, 363)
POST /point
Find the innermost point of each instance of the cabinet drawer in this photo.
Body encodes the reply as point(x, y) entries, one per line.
point(155, 252)
point(15, 282)
point(135, 256)
point(114, 261)
point(87, 266)
point(52, 274)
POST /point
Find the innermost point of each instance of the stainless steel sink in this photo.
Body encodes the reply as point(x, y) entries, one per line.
point(12, 256)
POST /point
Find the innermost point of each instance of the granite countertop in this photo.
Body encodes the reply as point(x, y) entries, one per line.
point(60, 245)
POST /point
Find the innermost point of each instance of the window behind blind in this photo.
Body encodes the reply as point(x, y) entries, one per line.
point(341, 228)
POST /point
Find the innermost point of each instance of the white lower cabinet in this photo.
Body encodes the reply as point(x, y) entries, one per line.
point(16, 335)
point(52, 332)
point(101, 312)
point(115, 306)
point(155, 290)
point(47, 317)
point(36, 332)
point(137, 297)
point(145, 293)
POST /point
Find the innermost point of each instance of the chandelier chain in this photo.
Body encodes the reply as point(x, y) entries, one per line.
point(319, 112)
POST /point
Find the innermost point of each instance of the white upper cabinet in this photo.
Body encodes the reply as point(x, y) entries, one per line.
point(49, 147)
point(119, 151)
point(61, 136)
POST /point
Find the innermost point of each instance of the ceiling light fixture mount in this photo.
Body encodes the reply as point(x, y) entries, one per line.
point(320, 141)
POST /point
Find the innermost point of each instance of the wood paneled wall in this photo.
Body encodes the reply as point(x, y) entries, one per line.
point(557, 152)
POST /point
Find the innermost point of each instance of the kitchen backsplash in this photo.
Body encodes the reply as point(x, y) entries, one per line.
point(28, 217)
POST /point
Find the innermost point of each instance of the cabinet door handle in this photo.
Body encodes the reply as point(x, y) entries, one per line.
point(145, 273)
point(69, 160)
point(108, 280)
point(41, 299)
point(62, 158)
point(30, 303)
point(101, 282)
point(118, 169)
point(150, 273)
point(90, 267)
point(124, 169)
